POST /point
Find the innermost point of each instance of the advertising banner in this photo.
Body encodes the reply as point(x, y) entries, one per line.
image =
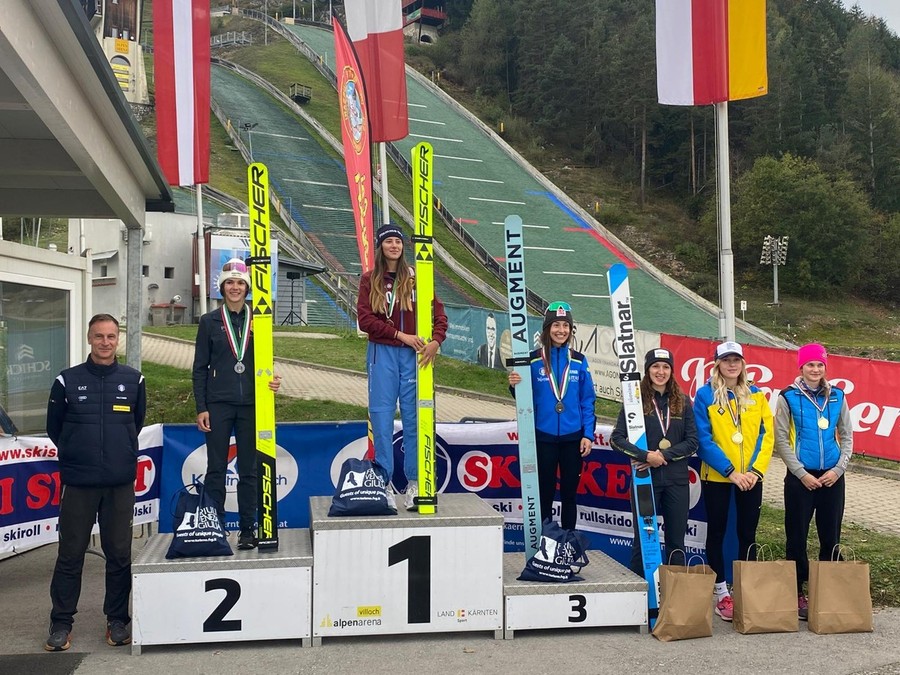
point(477, 458)
point(868, 384)
point(30, 488)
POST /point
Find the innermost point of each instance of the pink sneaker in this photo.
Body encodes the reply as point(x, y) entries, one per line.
point(802, 607)
point(725, 608)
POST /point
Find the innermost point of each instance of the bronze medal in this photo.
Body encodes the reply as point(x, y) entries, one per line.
point(560, 407)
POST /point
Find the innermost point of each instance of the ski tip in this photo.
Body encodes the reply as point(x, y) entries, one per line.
point(513, 221)
point(616, 275)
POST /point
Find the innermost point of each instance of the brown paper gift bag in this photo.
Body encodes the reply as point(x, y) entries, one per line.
point(685, 602)
point(839, 597)
point(765, 596)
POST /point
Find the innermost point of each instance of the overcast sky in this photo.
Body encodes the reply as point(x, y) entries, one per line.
point(889, 10)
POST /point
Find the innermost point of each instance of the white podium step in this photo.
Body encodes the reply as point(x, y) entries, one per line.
point(247, 596)
point(408, 573)
point(610, 595)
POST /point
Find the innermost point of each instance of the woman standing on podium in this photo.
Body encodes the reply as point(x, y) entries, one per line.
point(386, 310)
point(564, 418)
point(672, 435)
point(734, 427)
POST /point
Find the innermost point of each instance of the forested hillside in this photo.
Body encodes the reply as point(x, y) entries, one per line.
point(817, 159)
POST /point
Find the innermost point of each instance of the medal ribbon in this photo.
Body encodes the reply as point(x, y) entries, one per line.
point(808, 393)
point(236, 349)
point(732, 410)
point(559, 391)
point(662, 425)
point(390, 299)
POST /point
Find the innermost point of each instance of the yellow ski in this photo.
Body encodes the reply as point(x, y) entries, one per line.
point(261, 276)
point(422, 165)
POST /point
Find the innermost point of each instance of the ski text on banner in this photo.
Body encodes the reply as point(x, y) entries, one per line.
point(261, 277)
point(181, 63)
point(357, 144)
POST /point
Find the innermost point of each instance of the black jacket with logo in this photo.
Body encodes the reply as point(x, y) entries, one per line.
point(94, 416)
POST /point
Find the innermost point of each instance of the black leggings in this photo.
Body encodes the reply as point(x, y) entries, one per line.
point(717, 497)
point(566, 456)
point(799, 505)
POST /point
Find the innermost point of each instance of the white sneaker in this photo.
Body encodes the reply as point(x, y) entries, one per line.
point(412, 491)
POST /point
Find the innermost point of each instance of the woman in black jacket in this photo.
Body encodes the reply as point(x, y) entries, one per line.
point(672, 435)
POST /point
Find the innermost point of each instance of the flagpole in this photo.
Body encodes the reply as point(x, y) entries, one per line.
point(385, 200)
point(201, 250)
point(726, 255)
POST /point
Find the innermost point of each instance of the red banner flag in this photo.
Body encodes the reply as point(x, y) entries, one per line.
point(357, 149)
point(868, 384)
point(709, 51)
point(376, 28)
point(181, 66)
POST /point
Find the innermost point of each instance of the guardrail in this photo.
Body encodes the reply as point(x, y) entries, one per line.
point(343, 291)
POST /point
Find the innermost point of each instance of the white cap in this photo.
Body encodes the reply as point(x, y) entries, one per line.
point(234, 269)
point(729, 349)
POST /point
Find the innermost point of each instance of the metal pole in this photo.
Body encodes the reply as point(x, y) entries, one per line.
point(385, 197)
point(201, 252)
point(775, 281)
point(726, 256)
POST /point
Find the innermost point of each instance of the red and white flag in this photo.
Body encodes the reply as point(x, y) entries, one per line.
point(376, 29)
point(709, 51)
point(181, 65)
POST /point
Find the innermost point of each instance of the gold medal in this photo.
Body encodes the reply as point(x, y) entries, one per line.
point(823, 423)
point(665, 444)
point(737, 437)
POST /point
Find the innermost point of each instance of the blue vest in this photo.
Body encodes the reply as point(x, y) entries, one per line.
point(817, 449)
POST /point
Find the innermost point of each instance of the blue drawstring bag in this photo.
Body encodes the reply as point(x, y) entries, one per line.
point(197, 529)
point(560, 556)
point(362, 490)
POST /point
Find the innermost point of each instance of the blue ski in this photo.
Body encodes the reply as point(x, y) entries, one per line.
point(518, 328)
point(630, 377)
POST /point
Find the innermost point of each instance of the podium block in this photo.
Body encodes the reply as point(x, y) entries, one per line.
point(408, 573)
point(247, 596)
point(610, 595)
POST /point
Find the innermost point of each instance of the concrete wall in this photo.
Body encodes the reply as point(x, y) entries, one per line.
point(168, 245)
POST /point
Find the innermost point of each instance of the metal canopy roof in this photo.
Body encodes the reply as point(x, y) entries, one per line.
point(69, 144)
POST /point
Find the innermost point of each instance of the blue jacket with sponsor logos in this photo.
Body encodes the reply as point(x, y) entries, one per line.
point(577, 420)
point(94, 416)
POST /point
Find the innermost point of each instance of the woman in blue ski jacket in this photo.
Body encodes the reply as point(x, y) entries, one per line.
point(564, 418)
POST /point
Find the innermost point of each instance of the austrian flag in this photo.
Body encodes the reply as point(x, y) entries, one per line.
point(376, 29)
point(181, 65)
point(709, 51)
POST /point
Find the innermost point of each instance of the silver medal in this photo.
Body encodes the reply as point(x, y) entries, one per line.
point(239, 367)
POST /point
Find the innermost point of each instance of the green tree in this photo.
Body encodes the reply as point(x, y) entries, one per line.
point(826, 218)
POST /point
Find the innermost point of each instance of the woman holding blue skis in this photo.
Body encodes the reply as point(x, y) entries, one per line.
point(564, 418)
point(672, 439)
point(386, 310)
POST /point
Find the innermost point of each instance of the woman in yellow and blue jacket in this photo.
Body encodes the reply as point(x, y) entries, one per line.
point(736, 435)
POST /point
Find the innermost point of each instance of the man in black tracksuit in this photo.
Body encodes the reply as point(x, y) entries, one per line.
point(94, 415)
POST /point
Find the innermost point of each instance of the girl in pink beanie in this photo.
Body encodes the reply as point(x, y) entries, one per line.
point(814, 437)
